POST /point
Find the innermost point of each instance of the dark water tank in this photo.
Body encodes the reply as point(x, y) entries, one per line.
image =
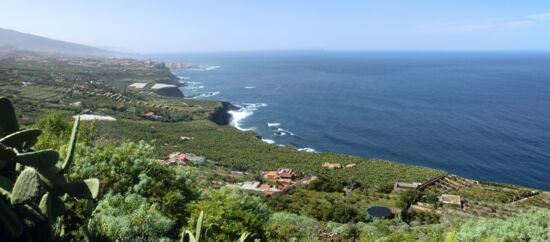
point(380, 212)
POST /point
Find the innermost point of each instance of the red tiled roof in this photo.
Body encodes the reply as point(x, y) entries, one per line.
point(270, 175)
point(287, 175)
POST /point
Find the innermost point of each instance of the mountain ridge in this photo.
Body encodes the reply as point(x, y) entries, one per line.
point(13, 39)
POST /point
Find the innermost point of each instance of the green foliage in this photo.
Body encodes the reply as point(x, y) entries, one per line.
point(244, 151)
point(425, 217)
point(532, 225)
point(24, 219)
point(54, 124)
point(384, 188)
point(56, 128)
point(129, 218)
point(234, 210)
point(323, 184)
point(351, 232)
point(380, 230)
point(212, 231)
point(409, 196)
point(284, 226)
point(188, 236)
point(321, 205)
point(130, 168)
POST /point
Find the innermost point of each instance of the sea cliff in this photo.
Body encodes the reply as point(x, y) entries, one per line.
point(221, 114)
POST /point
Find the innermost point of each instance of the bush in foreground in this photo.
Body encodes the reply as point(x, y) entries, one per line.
point(233, 210)
point(128, 218)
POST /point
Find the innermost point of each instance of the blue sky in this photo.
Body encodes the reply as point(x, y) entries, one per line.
point(244, 25)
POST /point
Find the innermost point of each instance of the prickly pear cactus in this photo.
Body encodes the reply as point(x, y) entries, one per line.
point(26, 187)
point(37, 193)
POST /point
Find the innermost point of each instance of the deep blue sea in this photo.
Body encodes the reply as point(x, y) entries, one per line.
point(479, 115)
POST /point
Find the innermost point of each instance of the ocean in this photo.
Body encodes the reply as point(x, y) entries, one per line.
point(484, 116)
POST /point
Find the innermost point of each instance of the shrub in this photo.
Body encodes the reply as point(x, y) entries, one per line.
point(287, 226)
point(128, 218)
point(384, 188)
point(233, 210)
point(409, 196)
point(531, 225)
point(130, 168)
point(323, 184)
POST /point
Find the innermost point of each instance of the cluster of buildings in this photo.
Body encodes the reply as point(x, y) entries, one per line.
point(126, 62)
point(274, 182)
point(175, 65)
point(281, 175)
point(257, 187)
point(178, 158)
point(449, 200)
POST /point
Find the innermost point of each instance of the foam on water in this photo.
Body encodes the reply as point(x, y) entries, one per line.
point(310, 150)
point(194, 87)
point(209, 68)
point(282, 132)
point(245, 110)
point(249, 87)
point(237, 117)
point(206, 94)
point(269, 141)
point(273, 124)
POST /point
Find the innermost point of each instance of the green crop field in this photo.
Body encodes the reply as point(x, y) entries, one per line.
point(245, 151)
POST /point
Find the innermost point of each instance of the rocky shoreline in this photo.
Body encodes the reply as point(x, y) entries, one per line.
point(221, 114)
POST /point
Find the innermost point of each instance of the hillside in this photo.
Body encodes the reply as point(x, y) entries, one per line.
point(30, 42)
point(161, 162)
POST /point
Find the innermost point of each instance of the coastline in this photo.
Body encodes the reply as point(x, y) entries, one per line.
point(226, 111)
point(233, 114)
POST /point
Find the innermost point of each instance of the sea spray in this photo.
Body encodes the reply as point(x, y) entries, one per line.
point(245, 110)
point(269, 141)
point(310, 150)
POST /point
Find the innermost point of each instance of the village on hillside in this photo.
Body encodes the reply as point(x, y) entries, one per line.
point(443, 195)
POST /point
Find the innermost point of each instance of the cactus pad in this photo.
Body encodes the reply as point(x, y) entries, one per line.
point(40, 159)
point(26, 186)
point(17, 139)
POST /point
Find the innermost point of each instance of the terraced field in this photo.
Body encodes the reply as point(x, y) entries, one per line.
point(472, 190)
point(541, 200)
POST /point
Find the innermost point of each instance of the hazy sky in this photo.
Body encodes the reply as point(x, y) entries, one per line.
point(169, 26)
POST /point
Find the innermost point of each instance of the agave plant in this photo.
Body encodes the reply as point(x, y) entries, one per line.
point(33, 186)
point(188, 236)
